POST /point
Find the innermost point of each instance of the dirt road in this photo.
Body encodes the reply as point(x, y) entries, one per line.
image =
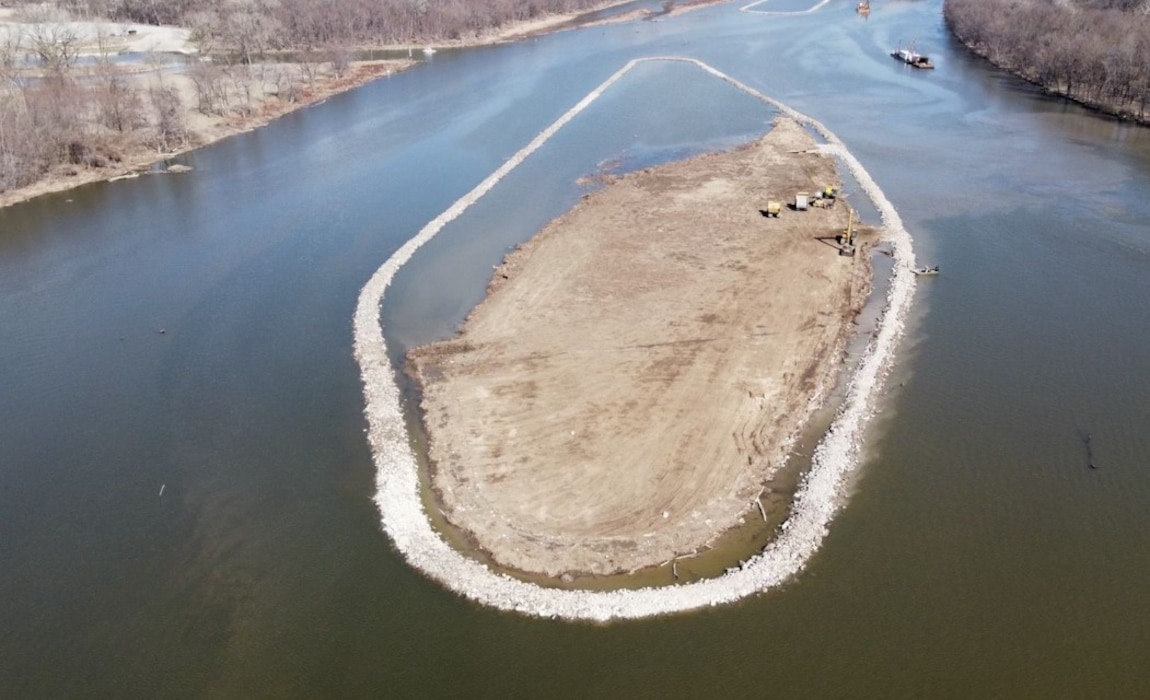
point(637, 369)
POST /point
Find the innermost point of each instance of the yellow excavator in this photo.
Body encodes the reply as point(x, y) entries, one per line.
point(847, 239)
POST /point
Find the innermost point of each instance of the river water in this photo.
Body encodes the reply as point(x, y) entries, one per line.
point(191, 335)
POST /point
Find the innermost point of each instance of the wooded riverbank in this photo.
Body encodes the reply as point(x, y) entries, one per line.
point(1094, 52)
point(65, 122)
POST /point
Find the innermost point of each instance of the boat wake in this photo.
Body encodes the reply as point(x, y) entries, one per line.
point(816, 502)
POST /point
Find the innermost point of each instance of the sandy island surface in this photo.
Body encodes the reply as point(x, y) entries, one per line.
point(638, 368)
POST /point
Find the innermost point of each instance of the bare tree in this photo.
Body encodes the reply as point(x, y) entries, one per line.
point(55, 43)
point(241, 83)
point(208, 80)
point(340, 60)
point(11, 51)
point(118, 103)
point(250, 26)
point(171, 131)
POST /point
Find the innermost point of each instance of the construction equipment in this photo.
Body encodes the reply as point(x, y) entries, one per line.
point(773, 208)
point(847, 239)
point(829, 192)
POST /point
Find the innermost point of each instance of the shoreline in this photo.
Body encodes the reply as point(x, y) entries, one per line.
point(142, 161)
point(818, 499)
point(752, 529)
point(721, 355)
point(1098, 108)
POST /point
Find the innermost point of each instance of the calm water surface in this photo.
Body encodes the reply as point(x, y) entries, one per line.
point(193, 333)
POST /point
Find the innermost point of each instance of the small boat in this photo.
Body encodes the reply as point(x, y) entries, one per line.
point(427, 50)
point(863, 8)
point(926, 270)
point(912, 58)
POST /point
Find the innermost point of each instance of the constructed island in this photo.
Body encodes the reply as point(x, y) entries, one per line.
point(641, 367)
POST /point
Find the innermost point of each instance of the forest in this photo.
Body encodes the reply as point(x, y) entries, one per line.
point(305, 23)
point(1096, 52)
point(54, 114)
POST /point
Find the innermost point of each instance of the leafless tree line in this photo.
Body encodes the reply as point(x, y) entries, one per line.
point(72, 117)
point(255, 25)
point(1094, 51)
point(53, 113)
point(57, 114)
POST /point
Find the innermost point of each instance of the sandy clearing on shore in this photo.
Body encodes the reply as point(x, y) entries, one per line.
point(97, 38)
point(638, 368)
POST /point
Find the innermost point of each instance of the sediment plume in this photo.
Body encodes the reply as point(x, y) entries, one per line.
point(816, 502)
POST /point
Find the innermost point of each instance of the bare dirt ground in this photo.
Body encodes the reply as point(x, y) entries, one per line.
point(639, 367)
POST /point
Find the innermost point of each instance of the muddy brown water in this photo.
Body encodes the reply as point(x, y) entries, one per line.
point(978, 555)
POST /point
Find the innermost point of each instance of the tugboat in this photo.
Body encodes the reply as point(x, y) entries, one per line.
point(911, 57)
